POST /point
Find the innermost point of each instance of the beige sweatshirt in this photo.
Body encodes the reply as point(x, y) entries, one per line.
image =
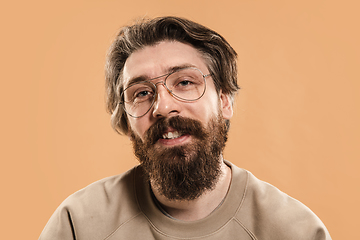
point(121, 207)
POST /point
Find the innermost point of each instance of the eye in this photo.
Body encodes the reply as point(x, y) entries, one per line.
point(185, 83)
point(138, 93)
point(142, 94)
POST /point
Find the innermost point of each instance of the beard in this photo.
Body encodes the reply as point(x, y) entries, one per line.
point(186, 171)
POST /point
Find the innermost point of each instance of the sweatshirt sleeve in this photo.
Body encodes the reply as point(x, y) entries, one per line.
point(60, 226)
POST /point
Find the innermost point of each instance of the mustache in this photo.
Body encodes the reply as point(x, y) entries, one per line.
point(181, 124)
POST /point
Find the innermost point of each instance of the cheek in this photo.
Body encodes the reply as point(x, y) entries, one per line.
point(136, 127)
point(206, 109)
point(140, 125)
point(211, 103)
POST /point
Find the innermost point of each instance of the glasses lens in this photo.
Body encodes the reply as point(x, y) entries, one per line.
point(138, 98)
point(187, 84)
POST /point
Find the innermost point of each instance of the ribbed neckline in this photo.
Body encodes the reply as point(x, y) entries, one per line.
point(184, 229)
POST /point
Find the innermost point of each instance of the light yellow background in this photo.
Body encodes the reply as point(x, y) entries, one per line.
point(296, 122)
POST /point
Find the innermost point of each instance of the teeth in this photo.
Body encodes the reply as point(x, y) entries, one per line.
point(171, 135)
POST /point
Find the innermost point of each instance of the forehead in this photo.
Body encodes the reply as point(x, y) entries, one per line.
point(153, 61)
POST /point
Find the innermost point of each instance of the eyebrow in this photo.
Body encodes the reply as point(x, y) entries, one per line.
point(143, 78)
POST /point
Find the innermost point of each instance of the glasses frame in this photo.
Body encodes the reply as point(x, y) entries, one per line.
point(168, 90)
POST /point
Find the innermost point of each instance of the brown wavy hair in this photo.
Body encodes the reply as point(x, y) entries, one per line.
point(217, 52)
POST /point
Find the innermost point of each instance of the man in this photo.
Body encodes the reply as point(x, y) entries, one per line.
point(170, 87)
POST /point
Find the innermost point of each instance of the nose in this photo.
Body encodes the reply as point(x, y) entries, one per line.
point(165, 104)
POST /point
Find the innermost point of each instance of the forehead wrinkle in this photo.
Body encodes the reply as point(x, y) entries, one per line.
point(168, 70)
point(136, 80)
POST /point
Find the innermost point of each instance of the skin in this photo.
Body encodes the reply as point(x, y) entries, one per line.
point(154, 61)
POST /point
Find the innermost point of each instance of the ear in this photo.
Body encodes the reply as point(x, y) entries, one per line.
point(225, 105)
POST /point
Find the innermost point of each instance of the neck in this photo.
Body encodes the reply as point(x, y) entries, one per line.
point(202, 206)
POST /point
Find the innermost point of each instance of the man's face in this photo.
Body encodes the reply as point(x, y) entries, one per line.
point(178, 143)
point(154, 61)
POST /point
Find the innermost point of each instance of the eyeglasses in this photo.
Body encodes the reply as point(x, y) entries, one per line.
point(186, 84)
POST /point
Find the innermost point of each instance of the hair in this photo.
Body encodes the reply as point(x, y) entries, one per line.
point(219, 56)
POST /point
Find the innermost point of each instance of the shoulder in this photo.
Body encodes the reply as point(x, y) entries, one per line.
point(95, 210)
point(103, 191)
point(266, 211)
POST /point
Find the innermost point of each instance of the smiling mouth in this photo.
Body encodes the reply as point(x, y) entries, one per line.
point(172, 135)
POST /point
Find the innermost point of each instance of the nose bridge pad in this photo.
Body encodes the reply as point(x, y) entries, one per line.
point(157, 95)
point(162, 83)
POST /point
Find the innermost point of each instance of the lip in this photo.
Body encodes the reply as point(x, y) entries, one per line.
point(176, 141)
